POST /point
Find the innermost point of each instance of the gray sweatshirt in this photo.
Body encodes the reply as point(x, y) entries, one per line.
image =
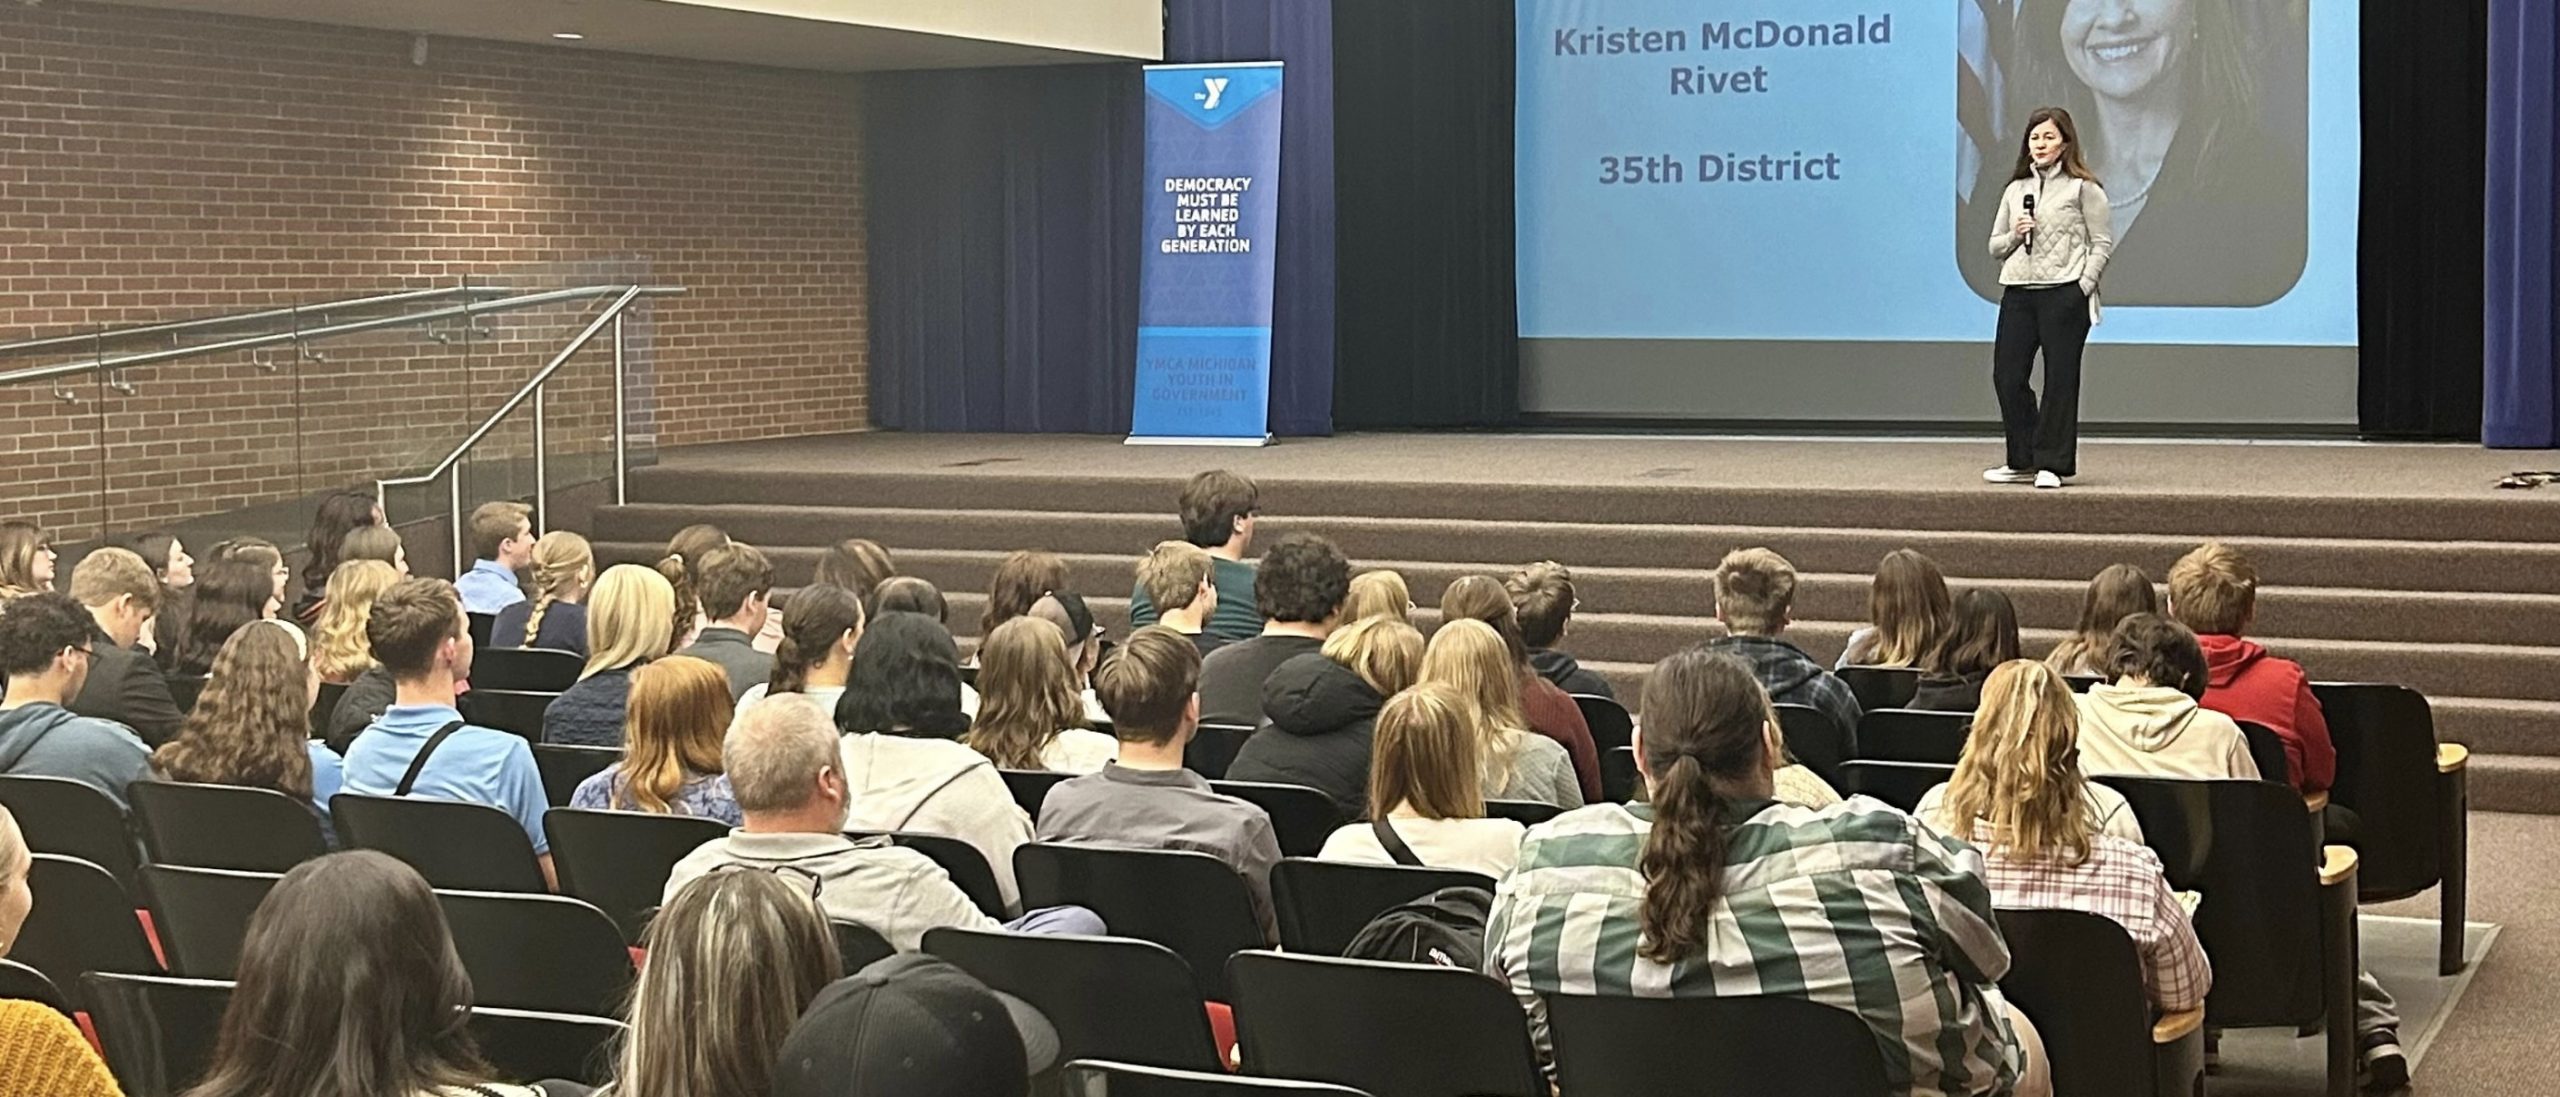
point(44, 739)
point(2074, 235)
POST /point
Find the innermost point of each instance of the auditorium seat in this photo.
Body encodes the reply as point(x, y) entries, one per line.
point(1611, 726)
point(524, 1045)
point(225, 826)
point(480, 625)
point(1815, 741)
point(1413, 1030)
point(1214, 747)
point(82, 921)
point(859, 946)
point(1322, 905)
point(620, 860)
point(1192, 903)
point(1900, 784)
point(1682, 1047)
point(184, 689)
point(1620, 780)
point(526, 670)
point(519, 711)
point(158, 1033)
point(203, 915)
point(1109, 997)
point(2266, 751)
point(2078, 975)
point(74, 819)
point(1129, 1080)
point(1031, 787)
point(545, 952)
point(1301, 817)
point(1881, 687)
point(1527, 813)
point(968, 867)
point(563, 767)
point(323, 705)
point(468, 847)
point(1913, 735)
point(2412, 798)
point(20, 983)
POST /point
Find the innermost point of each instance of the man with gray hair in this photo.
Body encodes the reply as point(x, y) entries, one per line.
point(788, 778)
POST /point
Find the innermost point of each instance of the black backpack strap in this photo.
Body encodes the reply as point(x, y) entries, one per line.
point(419, 763)
point(1397, 851)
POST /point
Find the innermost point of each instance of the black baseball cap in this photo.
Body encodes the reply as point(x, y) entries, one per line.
point(914, 1026)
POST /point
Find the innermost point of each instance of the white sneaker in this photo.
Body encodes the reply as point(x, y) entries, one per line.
point(2006, 475)
point(2048, 480)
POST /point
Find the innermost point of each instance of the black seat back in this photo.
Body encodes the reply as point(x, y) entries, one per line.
point(2177, 823)
point(2083, 683)
point(158, 1033)
point(184, 689)
point(1681, 1047)
point(1109, 997)
point(1301, 817)
point(1322, 905)
point(1101, 1078)
point(203, 915)
point(1527, 813)
point(564, 767)
point(1214, 748)
point(2261, 916)
point(1030, 787)
point(968, 867)
point(859, 946)
point(1901, 784)
point(2077, 974)
point(2386, 740)
point(324, 705)
point(1881, 687)
point(544, 952)
point(1913, 735)
point(72, 818)
point(519, 711)
point(620, 860)
point(20, 983)
point(2266, 749)
point(225, 826)
point(531, 1046)
point(464, 847)
point(1414, 1030)
point(480, 626)
point(528, 670)
point(1620, 780)
point(1191, 903)
point(1611, 725)
point(83, 921)
point(1813, 740)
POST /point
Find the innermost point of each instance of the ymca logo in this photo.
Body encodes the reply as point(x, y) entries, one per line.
point(1215, 88)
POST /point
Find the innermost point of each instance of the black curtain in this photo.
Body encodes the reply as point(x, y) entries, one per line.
point(1003, 211)
point(2418, 280)
point(1430, 327)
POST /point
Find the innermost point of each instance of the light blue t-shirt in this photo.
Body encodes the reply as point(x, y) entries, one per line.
point(488, 587)
point(476, 765)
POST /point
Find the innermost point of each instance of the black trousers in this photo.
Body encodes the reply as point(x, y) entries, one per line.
point(2055, 320)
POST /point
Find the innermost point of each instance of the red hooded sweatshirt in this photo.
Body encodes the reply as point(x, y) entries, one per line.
point(2248, 684)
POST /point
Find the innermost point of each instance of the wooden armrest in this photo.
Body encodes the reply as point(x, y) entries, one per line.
point(2337, 864)
point(2314, 802)
point(2452, 757)
point(2173, 1027)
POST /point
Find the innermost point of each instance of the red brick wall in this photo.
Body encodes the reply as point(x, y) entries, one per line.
point(158, 165)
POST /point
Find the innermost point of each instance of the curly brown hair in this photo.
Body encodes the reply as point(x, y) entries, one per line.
point(250, 725)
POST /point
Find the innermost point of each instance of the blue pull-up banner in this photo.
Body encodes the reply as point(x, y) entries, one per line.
point(1204, 303)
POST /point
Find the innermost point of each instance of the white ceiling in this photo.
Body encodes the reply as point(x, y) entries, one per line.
point(833, 35)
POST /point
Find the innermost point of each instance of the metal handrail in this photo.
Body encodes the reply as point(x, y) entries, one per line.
point(176, 328)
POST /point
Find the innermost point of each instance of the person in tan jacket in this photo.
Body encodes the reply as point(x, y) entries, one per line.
point(2147, 722)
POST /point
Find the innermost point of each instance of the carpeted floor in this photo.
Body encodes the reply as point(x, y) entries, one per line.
point(2500, 1038)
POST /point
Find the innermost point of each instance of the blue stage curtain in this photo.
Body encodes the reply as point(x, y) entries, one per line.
point(2521, 377)
point(1003, 214)
point(1304, 331)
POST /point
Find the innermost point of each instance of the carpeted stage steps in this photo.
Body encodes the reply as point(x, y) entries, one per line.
point(2456, 597)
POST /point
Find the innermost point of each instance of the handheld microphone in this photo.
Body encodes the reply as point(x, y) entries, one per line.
point(2031, 233)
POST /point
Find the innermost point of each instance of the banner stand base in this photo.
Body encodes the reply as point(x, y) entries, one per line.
point(1180, 440)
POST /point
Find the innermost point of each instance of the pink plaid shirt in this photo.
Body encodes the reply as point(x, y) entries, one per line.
point(2120, 881)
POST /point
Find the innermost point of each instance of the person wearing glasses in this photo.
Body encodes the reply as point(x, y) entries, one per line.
point(44, 650)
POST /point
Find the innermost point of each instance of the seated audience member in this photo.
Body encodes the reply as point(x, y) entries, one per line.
point(45, 647)
point(1021, 581)
point(2118, 592)
point(501, 545)
point(2052, 840)
point(857, 565)
point(167, 556)
point(420, 636)
point(1299, 587)
point(916, 1025)
point(1715, 885)
point(733, 959)
point(1219, 509)
point(1755, 591)
point(1426, 791)
point(252, 725)
point(1543, 601)
point(26, 560)
point(339, 514)
point(2027, 712)
point(1030, 713)
point(786, 768)
point(349, 986)
point(124, 685)
point(2146, 723)
point(1067, 612)
point(902, 755)
point(365, 700)
point(1146, 800)
point(627, 624)
point(909, 594)
point(564, 566)
point(1981, 634)
point(678, 713)
point(227, 595)
point(1470, 658)
point(682, 568)
point(1550, 711)
point(41, 1051)
point(1177, 579)
point(1907, 612)
point(338, 648)
point(375, 543)
point(267, 557)
point(2214, 590)
point(1379, 593)
point(736, 591)
point(819, 630)
point(1321, 712)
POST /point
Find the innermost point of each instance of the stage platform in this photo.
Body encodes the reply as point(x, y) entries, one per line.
point(2382, 562)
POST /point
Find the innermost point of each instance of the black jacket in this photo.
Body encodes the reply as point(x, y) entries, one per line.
point(1319, 718)
point(1567, 673)
point(1949, 692)
point(362, 704)
point(126, 686)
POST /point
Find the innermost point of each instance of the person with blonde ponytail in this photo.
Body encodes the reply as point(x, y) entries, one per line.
point(819, 630)
point(1716, 888)
point(564, 566)
point(339, 650)
point(628, 622)
point(1475, 661)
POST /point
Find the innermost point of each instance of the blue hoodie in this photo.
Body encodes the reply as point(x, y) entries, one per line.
point(47, 740)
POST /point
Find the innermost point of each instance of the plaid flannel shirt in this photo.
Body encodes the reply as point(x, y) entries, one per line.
point(1794, 678)
point(2121, 882)
point(1856, 906)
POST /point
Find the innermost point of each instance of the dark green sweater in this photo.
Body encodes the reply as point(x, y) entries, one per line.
point(1239, 617)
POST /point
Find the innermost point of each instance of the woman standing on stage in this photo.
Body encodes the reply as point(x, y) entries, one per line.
point(2052, 236)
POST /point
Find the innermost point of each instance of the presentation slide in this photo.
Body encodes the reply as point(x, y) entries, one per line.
point(1781, 209)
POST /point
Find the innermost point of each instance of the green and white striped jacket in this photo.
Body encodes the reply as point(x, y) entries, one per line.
point(1856, 905)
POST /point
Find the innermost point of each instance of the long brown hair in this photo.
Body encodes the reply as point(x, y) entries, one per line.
point(339, 650)
point(678, 713)
point(2018, 784)
point(349, 987)
point(817, 616)
point(20, 544)
point(228, 593)
point(1705, 718)
point(2118, 592)
point(1425, 757)
point(857, 565)
point(2071, 161)
point(251, 723)
point(339, 514)
point(1021, 580)
point(682, 568)
point(1026, 693)
point(734, 958)
point(1908, 604)
point(1982, 634)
